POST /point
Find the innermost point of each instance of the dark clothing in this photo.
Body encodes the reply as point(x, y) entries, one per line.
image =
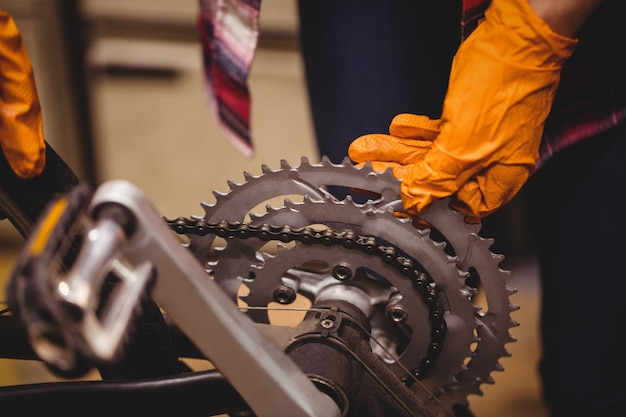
point(366, 62)
point(577, 205)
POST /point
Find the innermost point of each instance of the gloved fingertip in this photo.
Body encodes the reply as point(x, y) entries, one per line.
point(414, 126)
point(382, 166)
point(355, 151)
point(401, 214)
point(416, 119)
point(366, 147)
point(28, 171)
point(26, 163)
point(472, 220)
point(472, 214)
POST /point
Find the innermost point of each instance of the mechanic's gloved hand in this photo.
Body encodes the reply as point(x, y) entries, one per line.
point(410, 137)
point(21, 128)
point(502, 84)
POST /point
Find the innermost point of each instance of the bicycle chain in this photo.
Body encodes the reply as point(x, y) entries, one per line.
point(327, 237)
point(489, 322)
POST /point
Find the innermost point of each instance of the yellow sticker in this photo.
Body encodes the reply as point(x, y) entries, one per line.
point(47, 226)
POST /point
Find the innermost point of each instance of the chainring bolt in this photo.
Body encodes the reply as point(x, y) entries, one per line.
point(396, 313)
point(284, 295)
point(342, 272)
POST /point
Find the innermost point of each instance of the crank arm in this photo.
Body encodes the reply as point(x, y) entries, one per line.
point(136, 245)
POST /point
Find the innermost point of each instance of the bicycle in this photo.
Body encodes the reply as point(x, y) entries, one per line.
point(391, 329)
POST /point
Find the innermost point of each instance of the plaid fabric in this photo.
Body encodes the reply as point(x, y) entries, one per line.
point(473, 11)
point(590, 100)
point(229, 32)
point(583, 120)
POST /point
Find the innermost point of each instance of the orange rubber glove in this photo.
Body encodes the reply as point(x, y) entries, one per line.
point(21, 127)
point(502, 84)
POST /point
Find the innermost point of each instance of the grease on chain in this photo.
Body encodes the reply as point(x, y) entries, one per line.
point(328, 237)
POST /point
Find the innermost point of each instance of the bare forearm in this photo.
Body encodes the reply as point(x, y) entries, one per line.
point(564, 16)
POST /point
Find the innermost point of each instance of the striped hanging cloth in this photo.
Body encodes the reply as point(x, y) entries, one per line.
point(229, 31)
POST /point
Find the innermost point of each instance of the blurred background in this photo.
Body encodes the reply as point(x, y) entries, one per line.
point(122, 93)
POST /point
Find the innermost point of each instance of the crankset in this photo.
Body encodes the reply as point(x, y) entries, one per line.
point(390, 304)
point(440, 363)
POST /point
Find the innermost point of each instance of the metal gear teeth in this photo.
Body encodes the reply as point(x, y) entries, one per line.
point(372, 215)
point(308, 179)
point(471, 379)
point(311, 176)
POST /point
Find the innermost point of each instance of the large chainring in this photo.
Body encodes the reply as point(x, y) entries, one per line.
point(476, 335)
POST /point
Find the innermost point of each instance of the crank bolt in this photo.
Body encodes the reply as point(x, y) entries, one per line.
point(284, 295)
point(327, 323)
point(396, 313)
point(342, 272)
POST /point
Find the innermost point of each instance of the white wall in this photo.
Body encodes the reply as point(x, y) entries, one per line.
point(158, 132)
